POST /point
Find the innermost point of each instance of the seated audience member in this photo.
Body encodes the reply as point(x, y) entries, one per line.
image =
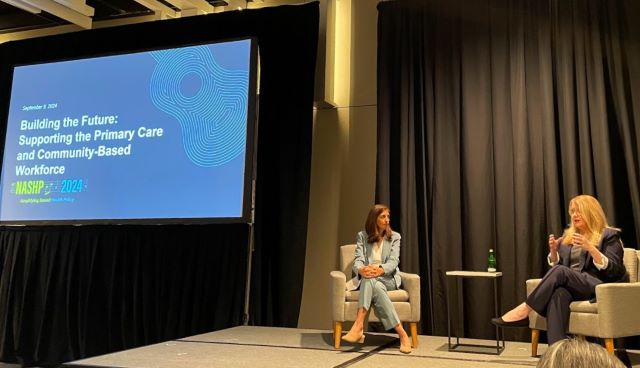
point(571, 353)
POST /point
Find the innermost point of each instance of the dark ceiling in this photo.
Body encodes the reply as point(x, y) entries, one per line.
point(13, 19)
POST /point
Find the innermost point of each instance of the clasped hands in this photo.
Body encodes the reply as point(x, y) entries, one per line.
point(371, 271)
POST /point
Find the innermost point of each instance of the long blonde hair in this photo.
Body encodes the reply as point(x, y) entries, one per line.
point(593, 217)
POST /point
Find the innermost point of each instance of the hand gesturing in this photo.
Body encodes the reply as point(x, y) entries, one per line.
point(553, 244)
point(580, 241)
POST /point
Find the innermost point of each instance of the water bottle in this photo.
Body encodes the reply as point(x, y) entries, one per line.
point(491, 265)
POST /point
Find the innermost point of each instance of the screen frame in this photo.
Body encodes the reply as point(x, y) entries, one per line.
point(250, 156)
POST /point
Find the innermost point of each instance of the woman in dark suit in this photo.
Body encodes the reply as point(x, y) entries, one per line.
point(588, 254)
point(376, 267)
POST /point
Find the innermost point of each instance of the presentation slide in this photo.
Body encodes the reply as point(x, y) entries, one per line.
point(149, 135)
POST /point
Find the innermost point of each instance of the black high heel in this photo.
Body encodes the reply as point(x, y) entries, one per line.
point(502, 323)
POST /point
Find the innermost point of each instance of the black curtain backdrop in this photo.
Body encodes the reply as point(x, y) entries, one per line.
point(492, 114)
point(72, 292)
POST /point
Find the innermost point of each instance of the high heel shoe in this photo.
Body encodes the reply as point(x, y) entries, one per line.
point(502, 323)
point(405, 348)
point(353, 338)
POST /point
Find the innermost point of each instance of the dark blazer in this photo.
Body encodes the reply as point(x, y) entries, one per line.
point(611, 246)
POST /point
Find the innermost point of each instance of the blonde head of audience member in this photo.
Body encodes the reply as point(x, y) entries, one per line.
point(572, 353)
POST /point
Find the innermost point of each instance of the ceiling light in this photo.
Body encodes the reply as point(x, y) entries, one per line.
point(23, 6)
point(61, 11)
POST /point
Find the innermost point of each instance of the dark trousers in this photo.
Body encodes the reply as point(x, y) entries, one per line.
point(558, 288)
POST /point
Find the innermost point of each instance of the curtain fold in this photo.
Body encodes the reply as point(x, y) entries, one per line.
point(74, 292)
point(491, 115)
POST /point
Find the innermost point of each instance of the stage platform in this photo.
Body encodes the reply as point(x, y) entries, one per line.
point(248, 346)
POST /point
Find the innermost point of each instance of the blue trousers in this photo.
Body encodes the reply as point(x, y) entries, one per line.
point(373, 292)
point(558, 288)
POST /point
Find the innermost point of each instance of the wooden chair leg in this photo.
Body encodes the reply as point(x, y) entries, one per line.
point(535, 335)
point(608, 343)
point(337, 334)
point(414, 334)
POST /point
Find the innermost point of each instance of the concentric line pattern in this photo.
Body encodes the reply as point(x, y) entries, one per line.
point(213, 121)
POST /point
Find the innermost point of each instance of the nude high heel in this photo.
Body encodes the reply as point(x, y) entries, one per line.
point(353, 338)
point(405, 348)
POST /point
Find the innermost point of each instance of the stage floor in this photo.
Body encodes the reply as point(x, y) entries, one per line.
point(248, 346)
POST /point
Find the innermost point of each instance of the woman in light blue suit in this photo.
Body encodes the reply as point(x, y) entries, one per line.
point(376, 267)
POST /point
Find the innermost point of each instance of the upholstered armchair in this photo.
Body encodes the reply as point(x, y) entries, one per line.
point(614, 314)
point(406, 300)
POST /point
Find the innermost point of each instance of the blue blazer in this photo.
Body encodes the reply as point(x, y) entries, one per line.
point(390, 257)
point(611, 247)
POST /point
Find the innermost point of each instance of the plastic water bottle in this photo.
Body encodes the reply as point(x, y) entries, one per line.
point(491, 265)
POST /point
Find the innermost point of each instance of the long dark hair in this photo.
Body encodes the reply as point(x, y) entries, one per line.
point(371, 226)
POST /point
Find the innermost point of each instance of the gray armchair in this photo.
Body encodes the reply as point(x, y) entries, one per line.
point(345, 303)
point(614, 315)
